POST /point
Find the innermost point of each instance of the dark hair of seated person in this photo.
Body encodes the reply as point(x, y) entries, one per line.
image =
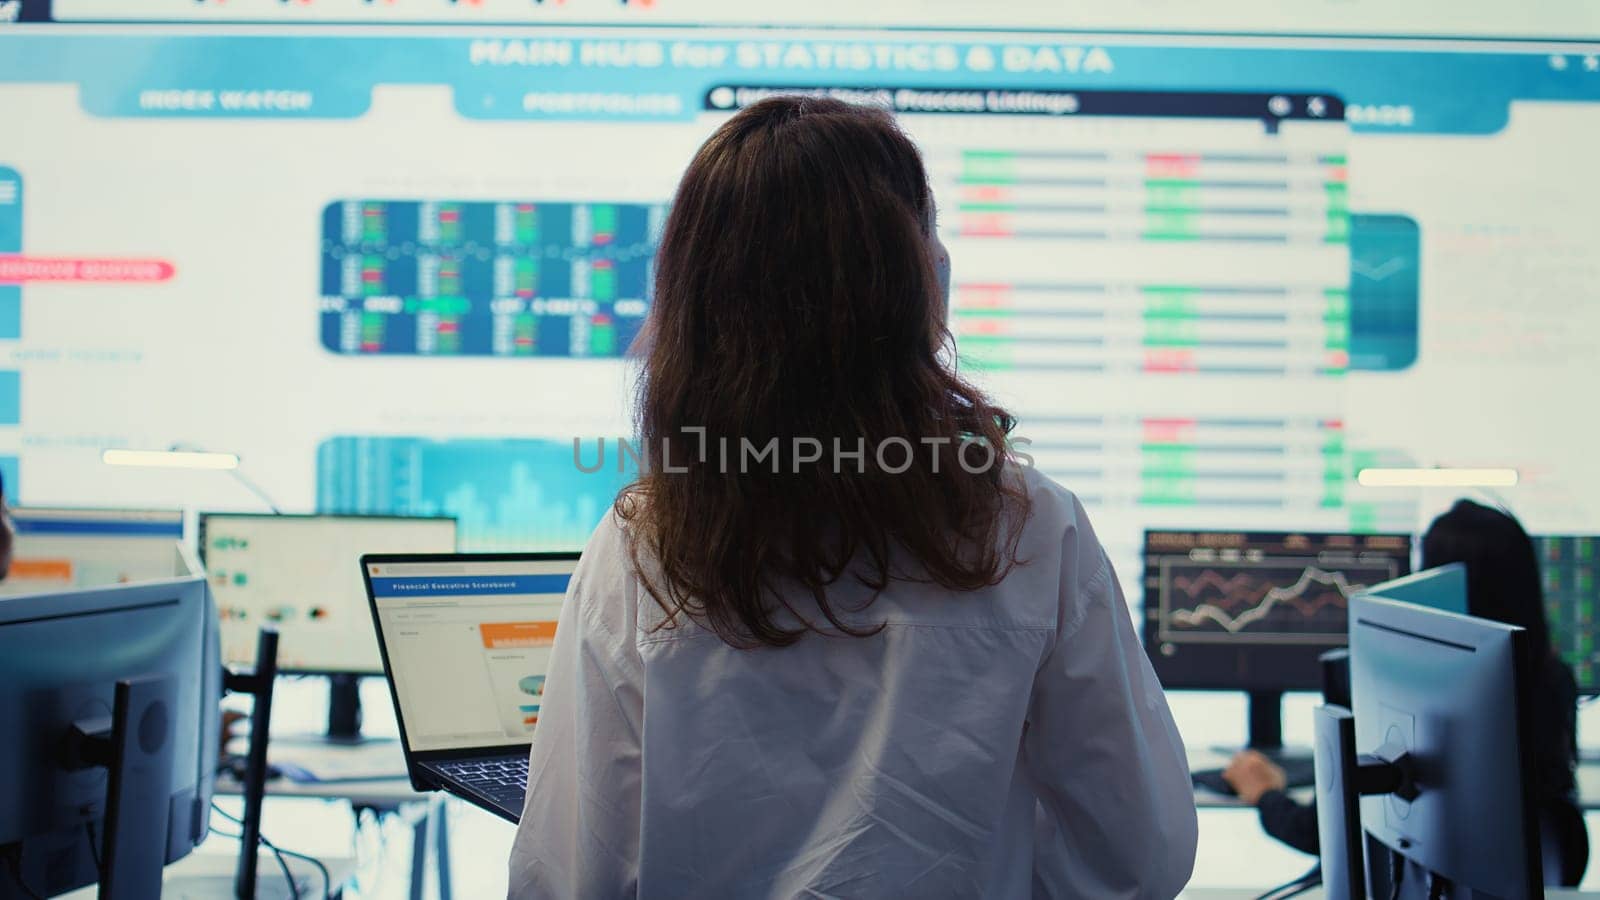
point(1504, 584)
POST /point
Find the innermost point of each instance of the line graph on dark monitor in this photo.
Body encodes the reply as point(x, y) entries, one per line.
point(1277, 600)
point(1252, 610)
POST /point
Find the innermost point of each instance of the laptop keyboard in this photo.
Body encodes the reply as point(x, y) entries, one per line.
point(503, 780)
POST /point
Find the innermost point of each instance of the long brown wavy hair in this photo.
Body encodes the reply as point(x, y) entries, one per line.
point(797, 296)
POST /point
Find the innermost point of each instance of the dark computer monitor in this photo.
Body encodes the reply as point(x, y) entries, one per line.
point(302, 575)
point(1253, 611)
point(108, 734)
point(1570, 565)
point(1444, 786)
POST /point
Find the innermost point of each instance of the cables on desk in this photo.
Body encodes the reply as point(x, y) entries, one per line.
point(279, 854)
point(283, 866)
point(327, 880)
point(1296, 887)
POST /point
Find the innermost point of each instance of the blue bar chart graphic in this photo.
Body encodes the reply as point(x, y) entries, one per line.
point(506, 493)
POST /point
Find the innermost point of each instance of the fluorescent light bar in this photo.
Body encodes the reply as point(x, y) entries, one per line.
point(170, 459)
point(1435, 477)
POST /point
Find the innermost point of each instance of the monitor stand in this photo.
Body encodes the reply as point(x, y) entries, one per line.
point(1266, 729)
point(344, 709)
point(136, 745)
point(1265, 735)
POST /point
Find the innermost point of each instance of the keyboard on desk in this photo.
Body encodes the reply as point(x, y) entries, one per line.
point(1299, 772)
point(502, 780)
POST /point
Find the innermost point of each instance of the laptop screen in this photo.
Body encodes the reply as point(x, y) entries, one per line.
point(468, 643)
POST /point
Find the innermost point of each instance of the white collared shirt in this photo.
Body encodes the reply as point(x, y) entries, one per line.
point(1002, 743)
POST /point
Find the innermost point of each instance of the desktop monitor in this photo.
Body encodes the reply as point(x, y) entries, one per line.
point(136, 662)
point(301, 574)
point(1253, 611)
point(60, 548)
point(1570, 565)
point(1444, 788)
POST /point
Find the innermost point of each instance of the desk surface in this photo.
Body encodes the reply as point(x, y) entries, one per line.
point(209, 876)
point(388, 793)
point(366, 774)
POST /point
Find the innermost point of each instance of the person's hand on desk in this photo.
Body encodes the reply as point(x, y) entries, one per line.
point(1250, 775)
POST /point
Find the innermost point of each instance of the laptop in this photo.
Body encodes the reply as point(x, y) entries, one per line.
point(465, 640)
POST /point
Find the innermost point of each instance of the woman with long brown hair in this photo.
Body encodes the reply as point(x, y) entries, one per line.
point(838, 639)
